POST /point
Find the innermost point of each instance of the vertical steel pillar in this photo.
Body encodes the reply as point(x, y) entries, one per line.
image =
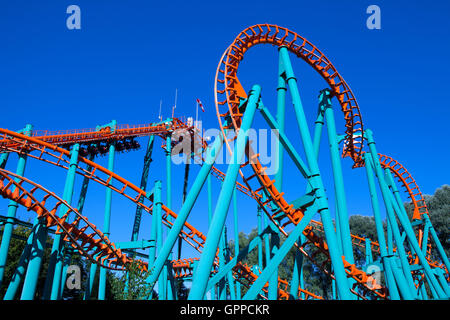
point(369, 257)
point(386, 252)
point(202, 273)
point(90, 281)
point(12, 210)
point(21, 268)
point(34, 259)
point(191, 198)
point(143, 186)
point(210, 213)
point(273, 281)
point(169, 293)
point(3, 159)
point(51, 289)
point(107, 216)
point(391, 206)
point(316, 180)
point(236, 242)
point(341, 202)
point(279, 256)
point(437, 242)
point(157, 211)
point(222, 282)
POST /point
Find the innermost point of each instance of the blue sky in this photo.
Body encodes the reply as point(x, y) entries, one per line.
point(130, 55)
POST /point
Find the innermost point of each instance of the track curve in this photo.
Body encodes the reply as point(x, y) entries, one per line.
point(231, 89)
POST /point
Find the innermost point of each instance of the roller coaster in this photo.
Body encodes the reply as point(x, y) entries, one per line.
point(400, 264)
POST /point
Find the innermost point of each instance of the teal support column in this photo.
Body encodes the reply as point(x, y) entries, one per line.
point(56, 257)
point(210, 213)
point(222, 282)
point(157, 211)
point(107, 215)
point(19, 273)
point(440, 274)
point(341, 202)
point(90, 282)
point(316, 181)
point(390, 281)
point(369, 257)
point(238, 258)
point(281, 110)
point(426, 234)
point(437, 242)
point(36, 254)
point(318, 127)
point(191, 198)
point(412, 240)
point(3, 159)
point(406, 226)
point(66, 262)
point(53, 279)
point(279, 256)
point(170, 294)
point(143, 186)
point(12, 210)
point(392, 223)
point(236, 237)
point(169, 171)
point(153, 238)
point(202, 273)
point(260, 228)
point(281, 106)
point(38, 244)
point(297, 273)
point(273, 281)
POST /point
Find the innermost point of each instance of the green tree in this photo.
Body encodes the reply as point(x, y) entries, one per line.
point(131, 285)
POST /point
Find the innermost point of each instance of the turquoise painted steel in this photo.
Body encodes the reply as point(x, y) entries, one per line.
point(256, 242)
point(52, 284)
point(279, 256)
point(107, 215)
point(143, 186)
point(212, 153)
point(273, 281)
point(281, 111)
point(236, 240)
point(316, 181)
point(57, 255)
point(404, 287)
point(369, 257)
point(281, 106)
point(3, 160)
point(388, 198)
point(341, 202)
point(21, 268)
point(12, 210)
point(167, 287)
point(436, 241)
point(318, 127)
point(38, 239)
point(201, 275)
point(157, 203)
point(288, 147)
point(297, 272)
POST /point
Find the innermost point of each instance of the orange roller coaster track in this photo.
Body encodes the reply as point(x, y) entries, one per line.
point(326, 244)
